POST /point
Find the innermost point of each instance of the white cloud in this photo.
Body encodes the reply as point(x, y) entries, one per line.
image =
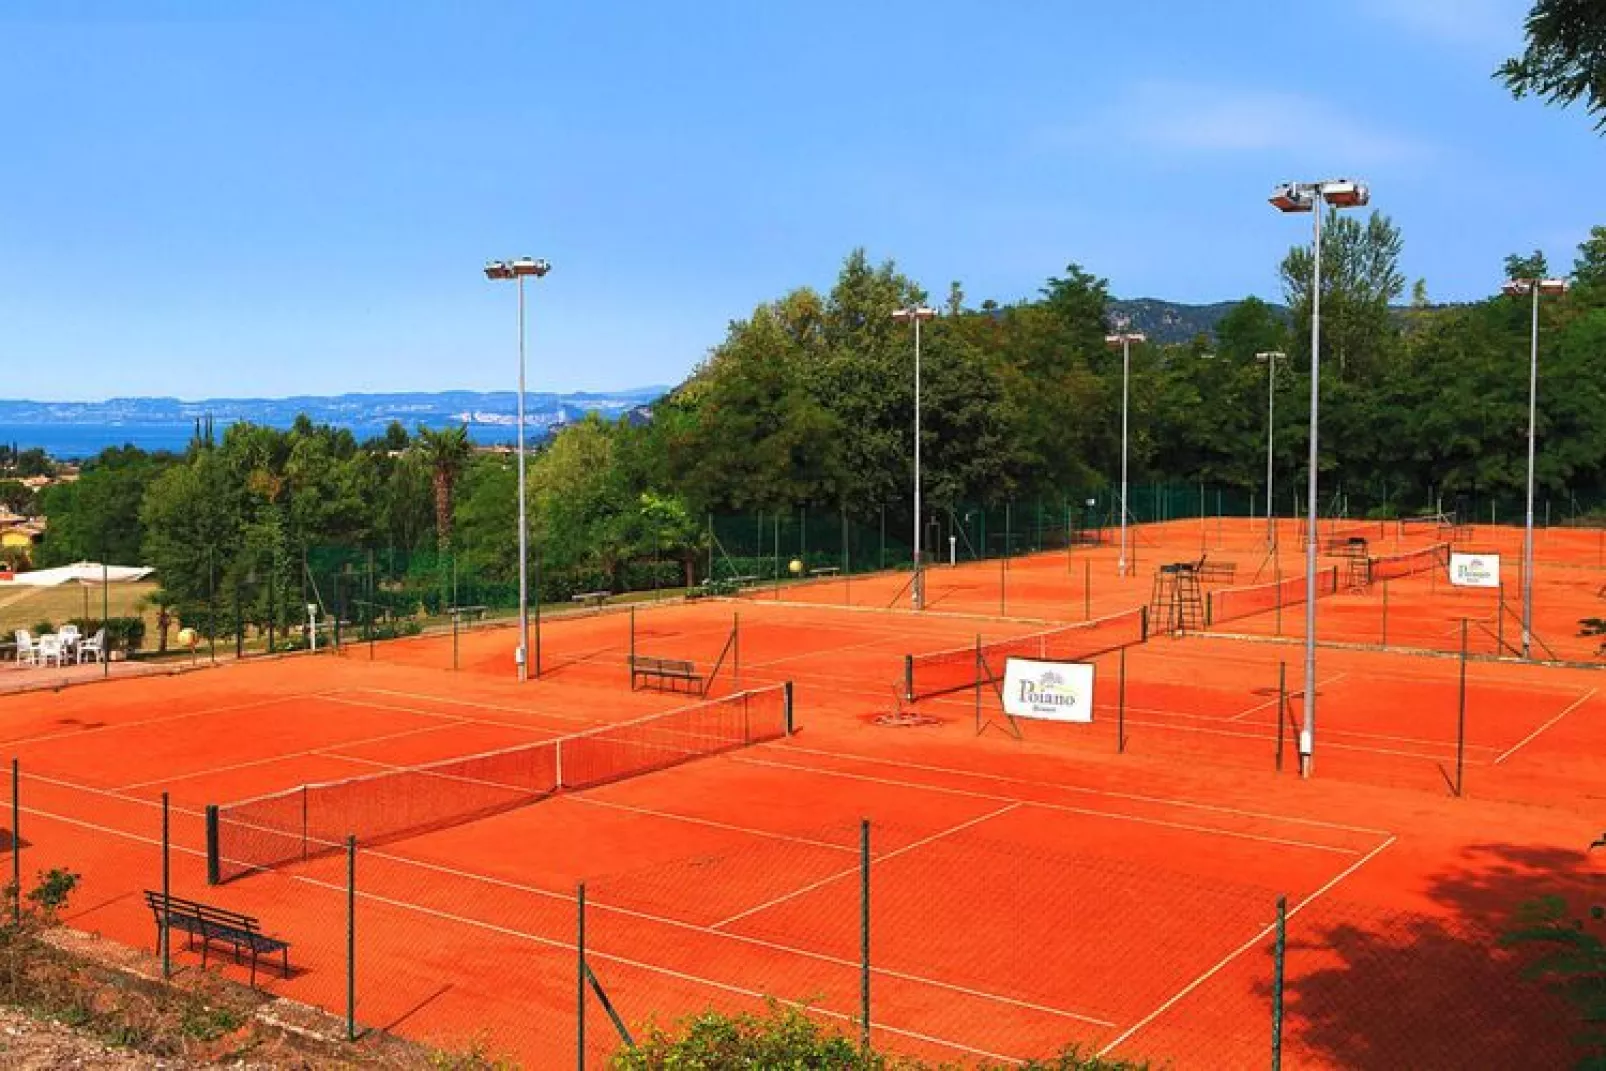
point(1494, 25)
point(1191, 117)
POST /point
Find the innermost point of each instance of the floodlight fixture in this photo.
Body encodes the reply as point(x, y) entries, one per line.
point(914, 313)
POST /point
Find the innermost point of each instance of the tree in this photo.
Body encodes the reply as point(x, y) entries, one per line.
point(445, 452)
point(1527, 266)
point(1589, 269)
point(1564, 59)
point(1360, 278)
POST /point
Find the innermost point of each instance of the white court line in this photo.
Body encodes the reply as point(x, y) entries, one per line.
point(1574, 705)
point(1320, 684)
point(1360, 735)
point(79, 732)
point(1240, 950)
point(808, 841)
point(475, 704)
point(852, 870)
point(1212, 808)
point(1061, 807)
point(326, 752)
point(1328, 744)
point(455, 719)
point(826, 652)
point(604, 956)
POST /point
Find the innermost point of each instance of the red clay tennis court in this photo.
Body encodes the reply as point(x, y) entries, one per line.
point(1029, 885)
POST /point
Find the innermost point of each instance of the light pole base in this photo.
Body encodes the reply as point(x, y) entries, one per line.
point(1306, 765)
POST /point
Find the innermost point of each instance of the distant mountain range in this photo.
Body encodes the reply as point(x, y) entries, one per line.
point(489, 409)
point(1170, 321)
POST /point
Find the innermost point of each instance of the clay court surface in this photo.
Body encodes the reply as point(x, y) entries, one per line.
point(1032, 885)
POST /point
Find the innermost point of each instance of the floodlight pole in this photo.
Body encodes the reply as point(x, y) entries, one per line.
point(1124, 339)
point(1312, 197)
point(1271, 357)
point(915, 314)
point(1533, 288)
point(517, 270)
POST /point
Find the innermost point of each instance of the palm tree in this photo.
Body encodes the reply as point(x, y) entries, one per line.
point(445, 452)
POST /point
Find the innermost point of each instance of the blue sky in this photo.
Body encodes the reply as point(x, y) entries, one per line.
point(208, 199)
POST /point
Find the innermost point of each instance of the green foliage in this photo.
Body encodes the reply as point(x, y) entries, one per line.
point(97, 517)
point(1564, 60)
point(786, 1038)
point(50, 896)
point(1571, 958)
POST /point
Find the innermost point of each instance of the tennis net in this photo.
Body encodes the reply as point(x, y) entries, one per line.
point(1410, 563)
point(311, 820)
point(1231, 603)
point(939, 672)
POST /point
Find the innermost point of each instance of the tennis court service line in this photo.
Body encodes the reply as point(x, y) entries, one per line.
point(579, 797)
point(1134, 797)
point(1258, 939)
point(1063, 808)
point(1258, 707)
point(1514, 748)
point(600, 956)
point(326, 751)
point(73, 734)
point(852, 870)
point(473, 704)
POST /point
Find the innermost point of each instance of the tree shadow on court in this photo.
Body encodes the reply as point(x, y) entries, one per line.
point(1370, 989)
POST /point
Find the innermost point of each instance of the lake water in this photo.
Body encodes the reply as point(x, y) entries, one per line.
point(69, 442)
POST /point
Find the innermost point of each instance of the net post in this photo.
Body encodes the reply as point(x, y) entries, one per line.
point(786, 694)
point(981, 669)
point(864, 934)
point(1120, 710)
point(909, 677)
point(1461, 715)
point(1210, 608)
point(1143, 620)
point(213, 869)
point(16, 842)
point(736, 649)
point(167, 892)
point(1278, 957)
point(580, 985)
point(305, 820)
point(1282, 709)
point(351, 938)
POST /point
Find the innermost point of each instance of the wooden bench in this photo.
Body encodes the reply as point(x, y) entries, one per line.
point(1217, 572)
point(595, 598)
point(672, 672)
point(209, 924)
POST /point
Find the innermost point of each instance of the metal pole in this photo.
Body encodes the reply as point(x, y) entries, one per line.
point(106, 612)
point(1271, 426)
point(1461, 715)
point(1279, 952)
point(16, 843)
point(1528, 528)
point(864, 934)
point(1282, 709)
point(1307, 732)
point(580, 981)
point(1126, 376)
point(1120, 709)
point(351, 938)
point(167, 891)
point(524, 527)
point(918, 587)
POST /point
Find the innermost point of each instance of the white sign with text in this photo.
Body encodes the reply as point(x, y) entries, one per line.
point(1053, 691)
point(1474, 570)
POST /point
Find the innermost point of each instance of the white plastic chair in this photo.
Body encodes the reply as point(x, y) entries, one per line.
point(49, 648)
point(69, 639)
point(94, 646)
point(27, 650)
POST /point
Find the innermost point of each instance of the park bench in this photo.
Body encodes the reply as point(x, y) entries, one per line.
point(476, 613)
point(595, 598)
point(203, 922)
point(670, 672)
point(826, 570)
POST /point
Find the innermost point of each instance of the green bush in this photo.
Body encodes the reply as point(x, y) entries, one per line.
point(125, 634)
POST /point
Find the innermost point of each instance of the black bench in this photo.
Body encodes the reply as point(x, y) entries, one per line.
point(671, 672)
point(1216, 572)
point(209, 924)
point(595, 598)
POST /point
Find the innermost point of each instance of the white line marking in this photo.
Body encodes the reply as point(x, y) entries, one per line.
point(476, 705)
point(848, 872)
point(1574, 705)
point(1240, 950)
point(1061, 807)
point(593, 802)
point(791, 748)
point(1320, 684)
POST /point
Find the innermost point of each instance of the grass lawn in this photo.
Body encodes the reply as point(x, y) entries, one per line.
point(25, 607)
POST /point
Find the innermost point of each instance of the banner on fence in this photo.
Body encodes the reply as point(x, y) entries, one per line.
point(1475, 570)
point(1053, 691)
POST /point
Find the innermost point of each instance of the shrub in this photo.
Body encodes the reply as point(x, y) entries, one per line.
point(125, 633)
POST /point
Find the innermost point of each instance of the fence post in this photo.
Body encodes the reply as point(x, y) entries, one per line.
point(16, 843)
point(1461, 715)
point(1385, 612)
point(213, 868)
point(787, 698)
point(1278, 957)
point(1282, 709)
point(1120, 709)
point(1087, 589)
point(351, 938)
point(167, 892)
point(580, 982)
point(864, 934)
